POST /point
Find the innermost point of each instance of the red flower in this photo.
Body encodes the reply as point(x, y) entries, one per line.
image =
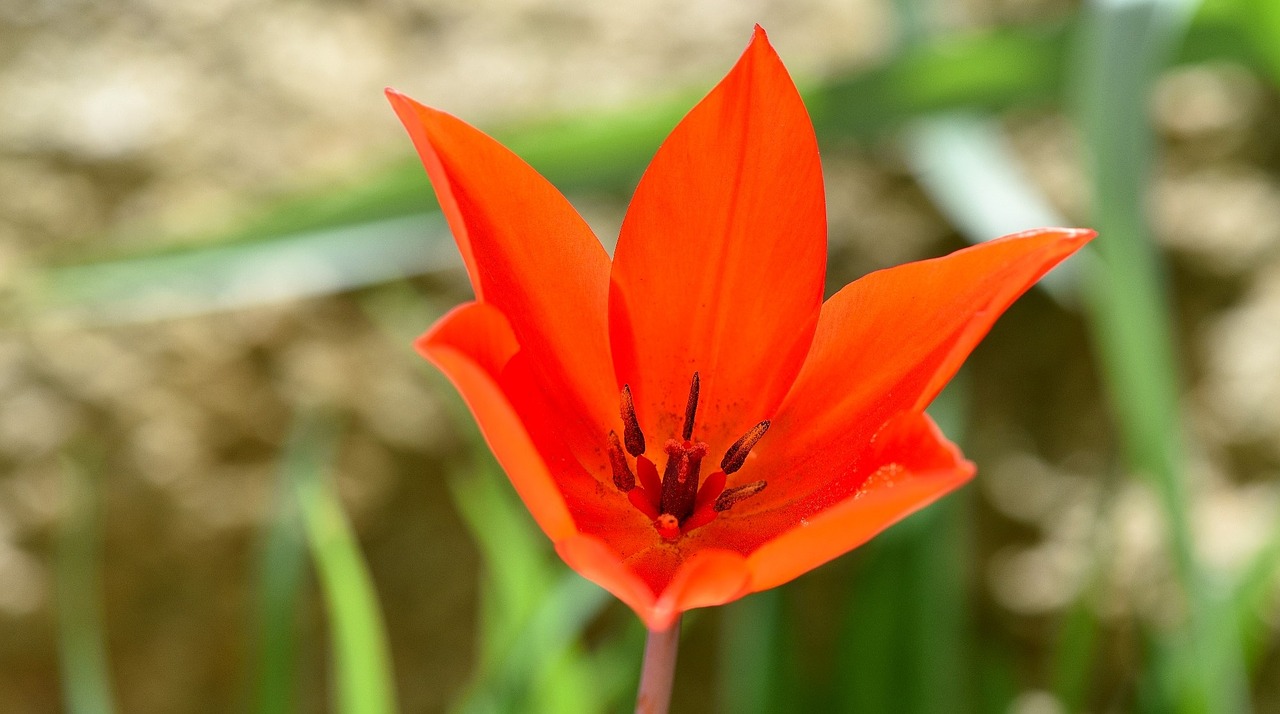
point(787, 430)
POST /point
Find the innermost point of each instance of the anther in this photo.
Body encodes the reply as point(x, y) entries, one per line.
point(737, 454)
point(630, 425)
point(622, 476)
point(691, 408)
point(732, 496)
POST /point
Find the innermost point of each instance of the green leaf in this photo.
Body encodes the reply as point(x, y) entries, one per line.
point(533, 610)
point(282, 574)
point(82, 649)
point(749, 654)
point(1125, 44)
point(362, 663)
point(368, 233)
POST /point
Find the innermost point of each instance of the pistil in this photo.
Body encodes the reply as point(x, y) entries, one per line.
point(676, 502)
point(680, 480)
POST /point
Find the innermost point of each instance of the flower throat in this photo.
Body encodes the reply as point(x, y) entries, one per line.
point(675, 502)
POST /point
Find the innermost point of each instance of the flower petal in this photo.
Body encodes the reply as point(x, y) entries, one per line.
point(530, 255)
point(719, 266)
point(593, 560)
point(705, 579)
point(472, 345)
point(889, 342)
point(916, 465)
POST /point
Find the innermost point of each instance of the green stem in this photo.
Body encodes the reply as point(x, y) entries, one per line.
point(659, 670)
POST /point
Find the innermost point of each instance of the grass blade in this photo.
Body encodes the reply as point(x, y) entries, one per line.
point(228, 277)
point(281, 576)
point(362, 663)
point(533, 611)
point(86, 681)
point(749, 653)
point(1126, 43)
point(361, 235)
point(966, 165)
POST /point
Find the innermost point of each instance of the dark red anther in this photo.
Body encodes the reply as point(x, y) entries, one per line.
point(622, 476)
point(631, 433)
point(737, 454)
point(676, 502)
point(691, 408)
point(732, 496)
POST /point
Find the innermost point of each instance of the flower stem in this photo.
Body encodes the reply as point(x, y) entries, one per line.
point(659, 670)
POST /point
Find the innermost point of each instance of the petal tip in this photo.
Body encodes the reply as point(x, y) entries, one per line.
point(760, 43)
point(1074, 235)
point(1081, 235)
point(396, 97)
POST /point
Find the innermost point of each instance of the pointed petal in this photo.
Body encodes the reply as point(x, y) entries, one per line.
point(719, 266)
point(472, 345)
point(529, 254)
point(917, 465)
point(889, 342)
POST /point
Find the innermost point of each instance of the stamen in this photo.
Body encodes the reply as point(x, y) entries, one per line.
point(641, 501)
point(630, 425)
point(677, 503)
point(710, 490)
point(622, 476)
point(691, 408)
point(704, 508)
point(647, 478)
point(732, 496)
point(737, 454)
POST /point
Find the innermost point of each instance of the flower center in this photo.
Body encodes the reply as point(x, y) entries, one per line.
point(676, 502)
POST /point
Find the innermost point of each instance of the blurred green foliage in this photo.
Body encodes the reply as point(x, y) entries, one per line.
point(908, 639)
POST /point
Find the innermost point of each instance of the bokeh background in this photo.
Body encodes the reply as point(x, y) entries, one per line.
point(228, 484)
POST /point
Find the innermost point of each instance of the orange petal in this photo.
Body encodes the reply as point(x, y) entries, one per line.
point(472, 345)
point(584, 479)
point(889, 342)
point(917, 465)
point(707, 578)
point(593, 560)
point(530, 255)
point(719, 266)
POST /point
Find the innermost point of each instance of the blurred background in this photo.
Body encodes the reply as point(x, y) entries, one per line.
point(227, 483)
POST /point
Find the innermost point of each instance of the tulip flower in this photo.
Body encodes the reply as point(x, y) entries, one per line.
point(688, 421)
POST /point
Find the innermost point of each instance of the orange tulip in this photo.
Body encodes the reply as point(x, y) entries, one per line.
point(689, 422)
